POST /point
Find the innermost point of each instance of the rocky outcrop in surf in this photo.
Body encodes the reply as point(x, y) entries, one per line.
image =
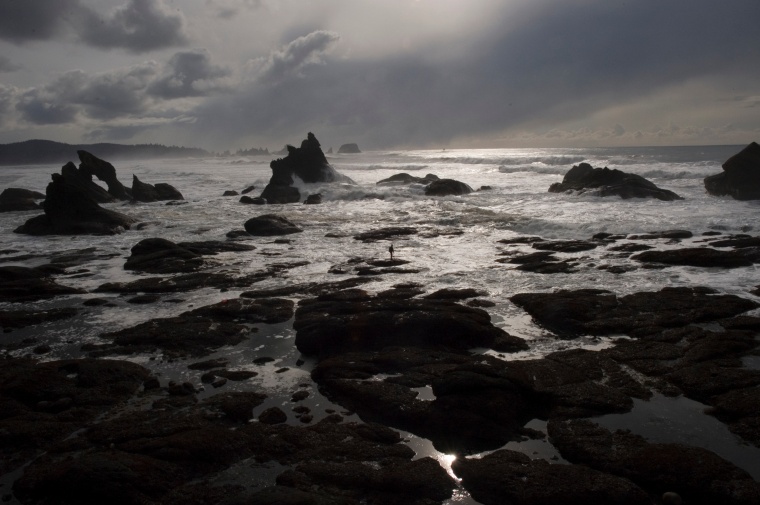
point(740, 178)
point(349, 149)
point(71, 210)
point(15, 199)
point(308, 163)
point(584, 179)
point(92, 165)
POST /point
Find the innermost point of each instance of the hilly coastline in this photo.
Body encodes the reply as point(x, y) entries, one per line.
point(33, 152)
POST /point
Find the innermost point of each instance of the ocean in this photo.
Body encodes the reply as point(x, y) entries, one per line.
point(456, 246)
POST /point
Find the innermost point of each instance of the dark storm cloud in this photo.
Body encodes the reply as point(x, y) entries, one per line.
point(188, 74)
point(554, 61)
point(137, 26)
point(27, 20)
point(298, 54)
point(41, 108)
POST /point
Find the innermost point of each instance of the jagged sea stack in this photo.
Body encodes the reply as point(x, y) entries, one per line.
point(584, 178)
point(308, 163)
point(740, 177)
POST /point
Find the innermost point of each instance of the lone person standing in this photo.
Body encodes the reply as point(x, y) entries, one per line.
point(390, 250)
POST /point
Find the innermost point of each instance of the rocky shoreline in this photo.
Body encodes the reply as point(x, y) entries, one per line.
point(98, 428)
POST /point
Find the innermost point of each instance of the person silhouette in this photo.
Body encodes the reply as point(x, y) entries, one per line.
point(390, 250)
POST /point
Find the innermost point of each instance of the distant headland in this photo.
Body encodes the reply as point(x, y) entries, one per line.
point(33, 152)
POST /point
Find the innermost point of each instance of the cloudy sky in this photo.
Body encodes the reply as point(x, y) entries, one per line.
point(229, 74)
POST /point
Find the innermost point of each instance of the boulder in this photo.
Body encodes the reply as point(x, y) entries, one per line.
point(446, 187)
point(92, 165)
point(70, 210)
point(15, 199)
point(257, 200)
point(597, 312)
point(308, 163)
point(159, 256)
point(349, 149)
point(144, 192)
point(511, 477)
point(404, 178)
point(313, 199)
point(740, 178)
point(269, 225)
point(331, 324)
point(83, 181)
point(584, 178)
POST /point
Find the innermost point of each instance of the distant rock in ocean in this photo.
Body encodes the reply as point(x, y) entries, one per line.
point(584, 178)
point(446, 187)
point(740, 177)
point(15, 199)
point(71, 210)
point(144, 192)
point(308, 163)
point(349, 149)
point(404, 178)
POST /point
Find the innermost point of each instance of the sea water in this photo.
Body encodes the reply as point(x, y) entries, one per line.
point(456, 245)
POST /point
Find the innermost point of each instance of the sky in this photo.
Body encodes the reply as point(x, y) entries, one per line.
point(385, 74)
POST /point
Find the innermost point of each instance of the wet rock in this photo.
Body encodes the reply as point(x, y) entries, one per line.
point(174, 336)
point(740, 178)
point(269, 310)
point(666, 234)
point(310, 288)
point(385, 233)
point(404, 178)
point(273, 415)
point(230, 192)
point(329, 324)
point(631, 247)
point(350, 148)
point(564, 245)
point(598, 312)
point(69, 210)
point(702, 381)
point(276, 194)
point(144, 192)
point(45, 402)
point(187, 282)
point(314, 199)
point(446, 187)
point(261, 201)
point(454, 294)
point(248, 190)
point(698, 475)
point(739, 410)
point(543, 262)
point(12, 319)
point(268, 225)
point(209, 364)
point(92, 165)
point(584, 178)
point(738, 242)
point(701, 257)
point(16, 199)
point(401, 292)
point(22, 284)
point(158, 255)
point(364, 267)
point(511, 477)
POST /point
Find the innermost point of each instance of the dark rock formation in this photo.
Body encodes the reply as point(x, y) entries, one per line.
point(308, 163)
point(258, 200)
point(313, 199)
point(15, 199)
point(144, 192)
point(23, 318)
point(349, 149)
point(230, 192)
point(404, 178)
point(385, 233)
point(512, 477)
point(332, 324)
point(446, 187)
point(268, 225)
point(92, 165)
point(69, 210)
point(698, 475)
point(597, 312)
point(701, 257)
point(740, 177)
point(160, 256)
point(360, 266)
point(584, 178)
